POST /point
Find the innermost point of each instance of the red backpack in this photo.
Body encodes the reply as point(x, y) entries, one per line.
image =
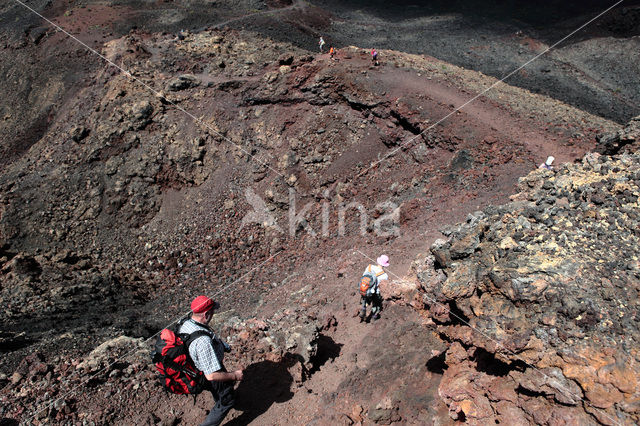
point(171, 357)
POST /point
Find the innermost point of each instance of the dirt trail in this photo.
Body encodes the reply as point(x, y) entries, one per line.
point(483, 112)
point(359, 363)
point(362, 365)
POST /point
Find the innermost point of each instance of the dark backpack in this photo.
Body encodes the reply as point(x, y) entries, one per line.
point(367, 284)
point(171, 357)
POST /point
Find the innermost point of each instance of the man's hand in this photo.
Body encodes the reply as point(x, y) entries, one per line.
point(238, 375)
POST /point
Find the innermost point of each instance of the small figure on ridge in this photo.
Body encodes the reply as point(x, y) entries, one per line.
point(547, 164)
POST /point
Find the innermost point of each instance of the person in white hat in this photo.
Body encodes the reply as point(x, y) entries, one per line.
point(547, 164)
point(370, 288)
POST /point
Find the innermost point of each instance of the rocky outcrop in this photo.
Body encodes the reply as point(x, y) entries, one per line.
point(539, 299)
point(289, 334)
point(622, 140)
point(65, 289)
point(288, 341)
point(185, 81)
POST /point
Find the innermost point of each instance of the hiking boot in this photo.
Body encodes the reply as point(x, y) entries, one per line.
point(376, 317)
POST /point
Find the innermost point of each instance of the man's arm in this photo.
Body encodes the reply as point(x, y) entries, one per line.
point(209, 361)
point(223, 376)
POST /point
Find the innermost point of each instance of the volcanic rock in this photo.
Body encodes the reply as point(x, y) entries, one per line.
point(119, 207)
point(613, 143)
point(540, 299)
point(182, 82)
point(101, 356)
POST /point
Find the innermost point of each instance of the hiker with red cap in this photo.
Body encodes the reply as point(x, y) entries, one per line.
point(207, 353)
point(370, 288)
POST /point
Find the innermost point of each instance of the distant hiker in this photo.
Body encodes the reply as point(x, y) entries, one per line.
point(370, 288)
point(374, 57)
point(321, 44)
point(332, 52)
point(547, 164)
point(207, 352)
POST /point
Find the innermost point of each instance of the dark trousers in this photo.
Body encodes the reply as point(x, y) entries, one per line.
point(224, 398)
point(376, 305)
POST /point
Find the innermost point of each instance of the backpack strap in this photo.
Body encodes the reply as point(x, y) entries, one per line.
point(374, 274)
point(193, 336)
point(180, 322)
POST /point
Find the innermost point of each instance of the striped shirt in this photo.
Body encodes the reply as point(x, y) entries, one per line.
point(379, 273)
point(206, 352)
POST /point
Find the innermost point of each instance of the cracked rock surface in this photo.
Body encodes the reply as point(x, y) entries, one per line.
point(539, 299)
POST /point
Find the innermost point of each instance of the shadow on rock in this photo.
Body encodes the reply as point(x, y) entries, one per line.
point(264, 383)
point(328, 350)
point(437, 364)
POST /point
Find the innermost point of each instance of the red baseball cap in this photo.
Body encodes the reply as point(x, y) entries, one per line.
point(202, 304)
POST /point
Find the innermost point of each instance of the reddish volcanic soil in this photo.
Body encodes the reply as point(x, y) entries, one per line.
point(167, 220)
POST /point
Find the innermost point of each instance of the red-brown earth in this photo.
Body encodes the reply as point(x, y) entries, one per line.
point(123, 207)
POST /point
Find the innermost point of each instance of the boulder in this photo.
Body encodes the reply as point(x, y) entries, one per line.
point(182, 82)
point(623, 140)
point(399, 290)
point(100, 356)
